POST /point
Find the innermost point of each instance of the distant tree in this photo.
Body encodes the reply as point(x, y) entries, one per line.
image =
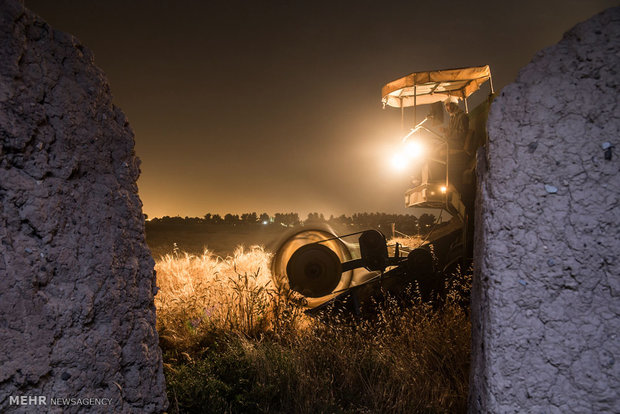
point(342, 219)
point(249, 218)
point(314, 217)
point(216, 219)
point(293, 219)
point(208, 218)
point(361, 220)
point(346, 220)
point(231, 219)
point(407, 224)
point(264, 218)
point(172, 220)
point(425, 222)
point(194, 220)
point(288, 219)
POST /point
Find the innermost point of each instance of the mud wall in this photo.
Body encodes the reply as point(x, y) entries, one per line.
point(77, 318)
point(546, 295)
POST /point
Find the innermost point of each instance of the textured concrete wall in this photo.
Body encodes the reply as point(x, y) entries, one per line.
point(77, 318)
point(546, 316)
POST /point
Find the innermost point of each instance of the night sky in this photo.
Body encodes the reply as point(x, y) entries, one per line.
point(274, 106)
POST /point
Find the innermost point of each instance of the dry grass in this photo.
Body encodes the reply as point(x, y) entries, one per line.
point(209, 292)
point(233, 344)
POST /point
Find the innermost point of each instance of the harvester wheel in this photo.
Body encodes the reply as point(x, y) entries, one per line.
point(421, 269)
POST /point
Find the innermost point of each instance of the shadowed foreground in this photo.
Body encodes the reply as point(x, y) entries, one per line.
point(77, 318)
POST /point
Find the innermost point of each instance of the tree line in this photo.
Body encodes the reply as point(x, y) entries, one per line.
point(405, 223)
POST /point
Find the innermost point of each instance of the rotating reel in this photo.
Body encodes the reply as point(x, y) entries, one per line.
point(309, 262)
point(314, 270)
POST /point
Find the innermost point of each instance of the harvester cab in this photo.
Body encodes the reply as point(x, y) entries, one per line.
point(444, 176)
point(330, 271)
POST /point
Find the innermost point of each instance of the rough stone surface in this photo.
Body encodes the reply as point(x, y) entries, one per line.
point(546, 315)
point(77, 317)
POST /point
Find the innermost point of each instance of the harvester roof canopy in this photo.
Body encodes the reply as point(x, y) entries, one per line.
point(421, 88)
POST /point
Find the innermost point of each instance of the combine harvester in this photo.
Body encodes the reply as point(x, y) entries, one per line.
point(333, 273)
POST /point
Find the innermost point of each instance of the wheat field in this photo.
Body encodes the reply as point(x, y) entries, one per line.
point(232, 343)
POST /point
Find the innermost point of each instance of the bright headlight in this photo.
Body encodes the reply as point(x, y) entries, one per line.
point(398, 162)
point(414, 149)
